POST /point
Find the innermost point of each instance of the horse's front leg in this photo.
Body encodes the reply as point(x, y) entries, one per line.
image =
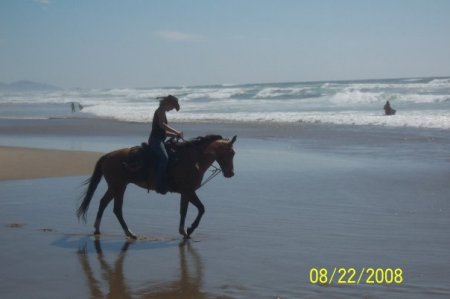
point(184, 202)
point(201, 210)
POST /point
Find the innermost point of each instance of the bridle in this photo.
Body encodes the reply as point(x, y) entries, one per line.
point(214, 172)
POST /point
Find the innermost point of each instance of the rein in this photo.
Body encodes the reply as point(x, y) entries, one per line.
point(214, 173)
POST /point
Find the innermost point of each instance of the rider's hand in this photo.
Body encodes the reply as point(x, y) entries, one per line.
point(180, 134)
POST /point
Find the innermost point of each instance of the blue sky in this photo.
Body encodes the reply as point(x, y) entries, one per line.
point(137, 43)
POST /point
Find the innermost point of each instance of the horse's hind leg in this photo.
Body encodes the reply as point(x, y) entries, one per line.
point(201, 210)
point(118, 203)
point(106, 199)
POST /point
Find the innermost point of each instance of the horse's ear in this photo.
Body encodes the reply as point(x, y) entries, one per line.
point(233, 139)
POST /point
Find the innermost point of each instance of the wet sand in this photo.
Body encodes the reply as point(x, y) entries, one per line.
point(303, 197)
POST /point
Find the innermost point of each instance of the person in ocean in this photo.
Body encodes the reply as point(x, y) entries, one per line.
point(388, 109)
point(160, 130)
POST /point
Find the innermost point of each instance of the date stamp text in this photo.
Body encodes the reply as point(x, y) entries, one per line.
point(341, 275)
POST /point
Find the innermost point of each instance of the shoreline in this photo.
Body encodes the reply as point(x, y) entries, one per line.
point(84, 139)
point(113, 127)
point(48, 143)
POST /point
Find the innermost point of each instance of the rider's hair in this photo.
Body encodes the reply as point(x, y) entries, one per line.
point(170, 99)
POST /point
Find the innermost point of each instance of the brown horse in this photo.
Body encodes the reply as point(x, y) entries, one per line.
point(194, 158)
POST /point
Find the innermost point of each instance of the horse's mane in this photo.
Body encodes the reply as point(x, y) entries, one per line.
point(197, 143)
point(200, 141)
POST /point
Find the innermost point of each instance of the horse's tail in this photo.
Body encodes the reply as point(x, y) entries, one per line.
point(93, 182)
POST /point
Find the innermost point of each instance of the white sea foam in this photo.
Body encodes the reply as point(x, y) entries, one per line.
point(418, 119)
point(419, 102)
point(272, 92)
point(213, 93)
point(422, 98)
point(440, 82)
point(417, 85)
point(351, 96)
point(411, 80)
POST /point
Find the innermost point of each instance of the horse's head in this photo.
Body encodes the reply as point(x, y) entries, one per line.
point(224, 154)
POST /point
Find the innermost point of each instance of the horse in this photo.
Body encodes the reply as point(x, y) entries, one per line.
point(194, 157)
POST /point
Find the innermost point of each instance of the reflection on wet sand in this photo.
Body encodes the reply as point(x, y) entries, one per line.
point(188, 285)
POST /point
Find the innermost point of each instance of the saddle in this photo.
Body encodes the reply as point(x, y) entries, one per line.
point(140, 159)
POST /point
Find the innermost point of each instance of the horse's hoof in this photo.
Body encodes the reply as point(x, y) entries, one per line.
point(183, 233)
point(131, 236)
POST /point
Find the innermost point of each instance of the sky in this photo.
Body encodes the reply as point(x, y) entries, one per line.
point(139, 43)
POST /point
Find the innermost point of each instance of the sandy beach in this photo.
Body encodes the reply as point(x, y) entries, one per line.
point(26, 163)
point(304, 197)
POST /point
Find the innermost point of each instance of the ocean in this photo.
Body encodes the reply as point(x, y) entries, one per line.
point(420, 103)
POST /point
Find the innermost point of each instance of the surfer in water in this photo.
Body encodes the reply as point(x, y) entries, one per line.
point(388, 109)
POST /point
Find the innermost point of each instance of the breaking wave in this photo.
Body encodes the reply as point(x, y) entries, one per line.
point(420, 102)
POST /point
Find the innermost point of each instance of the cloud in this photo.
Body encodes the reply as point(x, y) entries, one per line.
point(177, 36)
